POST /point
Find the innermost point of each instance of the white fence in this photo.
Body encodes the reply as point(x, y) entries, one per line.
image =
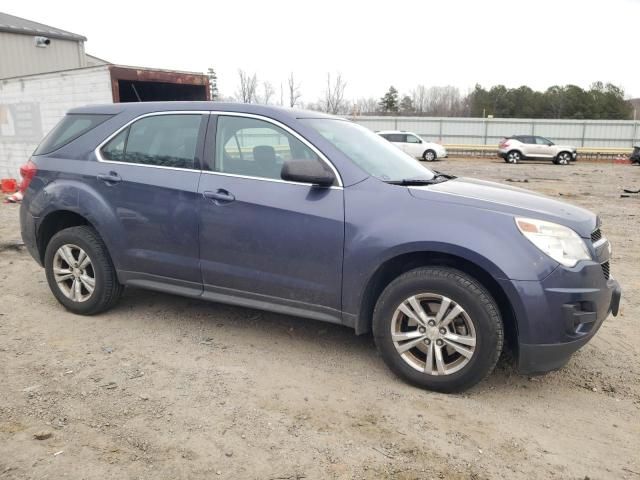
point(489, 131)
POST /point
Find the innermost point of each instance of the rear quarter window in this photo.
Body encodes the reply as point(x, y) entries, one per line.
point(68, 129)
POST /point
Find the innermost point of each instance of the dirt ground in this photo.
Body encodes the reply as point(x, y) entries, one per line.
point(168, 387)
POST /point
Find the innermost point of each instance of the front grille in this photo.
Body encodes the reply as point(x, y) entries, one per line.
point(605, 269)
point(596, 235)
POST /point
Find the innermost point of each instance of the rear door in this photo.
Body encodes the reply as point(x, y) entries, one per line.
point(528, 145)
point(148, 174)
point(266, 242)
point(398, 139)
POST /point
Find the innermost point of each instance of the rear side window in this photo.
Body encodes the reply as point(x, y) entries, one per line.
point(396, 137)
point(68, 129)
point(161, 140)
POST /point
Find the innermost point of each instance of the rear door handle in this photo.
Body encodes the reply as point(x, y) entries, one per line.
point(219, 197)
point(110, 178)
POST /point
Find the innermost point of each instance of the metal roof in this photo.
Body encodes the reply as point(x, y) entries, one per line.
point(12, 24)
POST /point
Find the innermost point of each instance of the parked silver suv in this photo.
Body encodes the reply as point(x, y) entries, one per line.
point(529, 147)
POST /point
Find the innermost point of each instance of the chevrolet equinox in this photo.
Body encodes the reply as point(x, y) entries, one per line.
point(312, 215)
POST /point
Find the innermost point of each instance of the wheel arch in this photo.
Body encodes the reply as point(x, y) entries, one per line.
point(517, 150)
point(54, 222)
point(557, 157)
point(67, 203)
point(399, 264)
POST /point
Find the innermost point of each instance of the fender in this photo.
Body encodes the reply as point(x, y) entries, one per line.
point(415, 254)
point(77, 197)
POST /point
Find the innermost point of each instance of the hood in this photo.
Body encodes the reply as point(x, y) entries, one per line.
point(507, 199)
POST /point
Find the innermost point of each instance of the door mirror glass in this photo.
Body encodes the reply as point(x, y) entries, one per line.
point(307, 171)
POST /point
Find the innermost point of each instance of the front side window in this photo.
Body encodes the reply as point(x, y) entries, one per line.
point(543, 141)
point(369, 151)
point(160, 140)
point(413, 139)
point(256, 148)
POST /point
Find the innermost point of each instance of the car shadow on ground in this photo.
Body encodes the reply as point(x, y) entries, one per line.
point(191, 315)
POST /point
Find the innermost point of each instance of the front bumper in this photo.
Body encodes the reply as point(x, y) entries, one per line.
point(559, 315)
point(540, 358)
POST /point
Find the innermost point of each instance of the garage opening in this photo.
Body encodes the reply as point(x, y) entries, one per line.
point(137, 91)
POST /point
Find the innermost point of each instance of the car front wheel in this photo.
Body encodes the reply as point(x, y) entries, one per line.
point(80, 272)
point(429, 156)
point(438, 328)
point(563, 158)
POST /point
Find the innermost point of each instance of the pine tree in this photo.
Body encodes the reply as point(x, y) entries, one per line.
point(389, 103)
point(406, 105)
point(213, 83)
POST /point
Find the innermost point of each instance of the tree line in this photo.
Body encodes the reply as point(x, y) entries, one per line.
point(599, 101)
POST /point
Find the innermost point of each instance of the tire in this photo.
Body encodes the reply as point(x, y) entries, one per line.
point(72, 269)
point(478, 321)
point(563, 158)
point(513, 156)
point(429, 156)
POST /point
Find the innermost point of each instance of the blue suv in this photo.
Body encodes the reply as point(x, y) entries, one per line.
point(314, 216)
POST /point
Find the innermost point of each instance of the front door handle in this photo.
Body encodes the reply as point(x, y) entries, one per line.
point(219, 197)
point(110, 178)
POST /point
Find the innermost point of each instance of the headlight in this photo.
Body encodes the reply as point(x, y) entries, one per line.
point(561, 243)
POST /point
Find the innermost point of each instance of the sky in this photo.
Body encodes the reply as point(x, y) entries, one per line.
point(373, 44)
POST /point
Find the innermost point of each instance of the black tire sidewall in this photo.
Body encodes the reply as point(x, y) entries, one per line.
point(482, 311)
point(78, 237)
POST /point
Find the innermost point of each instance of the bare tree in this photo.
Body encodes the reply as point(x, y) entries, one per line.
point(438, 101)
point(365, 106)
point(334, 95)
point(267, 92)
point(294, 91)
point(248, 86)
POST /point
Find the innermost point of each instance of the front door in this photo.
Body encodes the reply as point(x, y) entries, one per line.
point(544, 148)
point(413, 146)
point(148, 174)
point(265, 242)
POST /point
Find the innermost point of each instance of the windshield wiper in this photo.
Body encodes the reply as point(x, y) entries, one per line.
point(437, 178)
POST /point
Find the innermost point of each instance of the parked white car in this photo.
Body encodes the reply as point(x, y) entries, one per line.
point(415, 146)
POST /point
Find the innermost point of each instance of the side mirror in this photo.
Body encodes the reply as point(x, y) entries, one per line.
point(307, 171)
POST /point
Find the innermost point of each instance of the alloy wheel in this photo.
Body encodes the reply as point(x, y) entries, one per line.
point(513, 157)
point(564, 159)
point(73, 273)
point(433, 334)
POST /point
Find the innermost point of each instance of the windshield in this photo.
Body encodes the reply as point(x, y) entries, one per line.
point(375, 155)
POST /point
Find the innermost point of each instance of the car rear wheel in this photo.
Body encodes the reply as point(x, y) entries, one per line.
point(438, 328)
point(80, 272)
point(563, 158)
point(429, 156)
point(513, 157)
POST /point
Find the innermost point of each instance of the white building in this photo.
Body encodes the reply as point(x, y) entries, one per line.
point(44, 71)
